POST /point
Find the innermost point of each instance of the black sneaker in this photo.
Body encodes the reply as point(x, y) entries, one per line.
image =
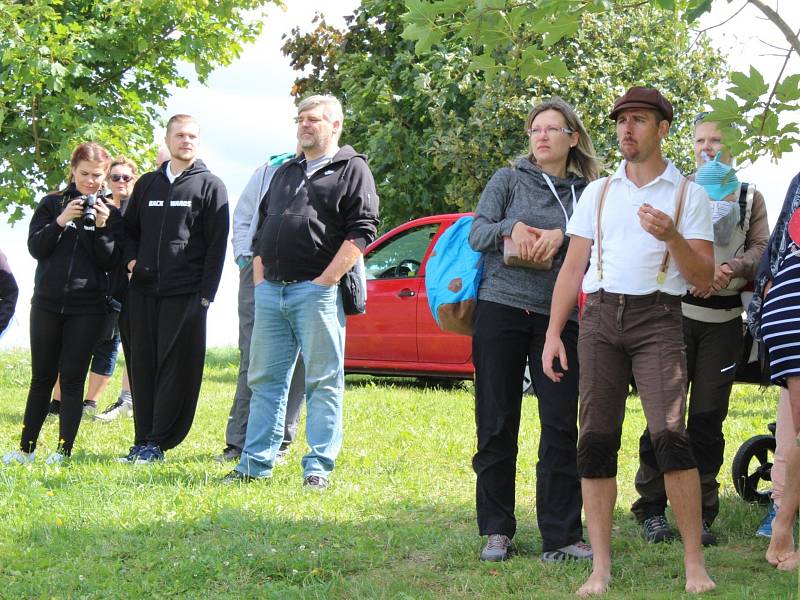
point(133, 454)
point(657, 529)
point(55, 407)
point(315, 482)
point(229, 454)
point(239, 477)
point(707, 538)
point(150, 455)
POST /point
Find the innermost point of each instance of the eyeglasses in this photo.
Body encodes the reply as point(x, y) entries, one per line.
point(125, 178)
point(537, 131)
point(310, 120)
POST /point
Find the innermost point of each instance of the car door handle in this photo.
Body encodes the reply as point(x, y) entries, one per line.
point(406, 293)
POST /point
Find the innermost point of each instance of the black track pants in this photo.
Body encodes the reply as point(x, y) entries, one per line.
point(167, 339)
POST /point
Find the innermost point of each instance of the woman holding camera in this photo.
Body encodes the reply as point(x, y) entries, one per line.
point(519, 226)
point(75, 237)
point(121, 177)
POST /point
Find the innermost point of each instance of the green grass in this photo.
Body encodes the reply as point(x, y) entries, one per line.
point(397, 522)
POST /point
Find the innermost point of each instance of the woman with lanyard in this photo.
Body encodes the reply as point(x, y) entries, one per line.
point(74, 236)
point(519, 226)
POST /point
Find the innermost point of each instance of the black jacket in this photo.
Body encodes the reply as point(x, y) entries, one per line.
point(8, 294)
point(303, 222)
point(73, 262)
point(177, 233)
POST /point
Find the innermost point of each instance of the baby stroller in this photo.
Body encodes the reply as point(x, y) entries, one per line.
point(752, 467)
point(752, 464)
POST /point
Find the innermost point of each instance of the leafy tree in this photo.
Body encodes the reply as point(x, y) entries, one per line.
point(497, 31)
point(75, 70)
point(436, 128)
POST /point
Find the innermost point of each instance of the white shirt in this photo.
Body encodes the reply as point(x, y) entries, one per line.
point(172, 177)
point(631, 256)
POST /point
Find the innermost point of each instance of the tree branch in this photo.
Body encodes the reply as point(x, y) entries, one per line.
point(773, 16)
point(775, 87)
point(157, 42)
point(723, 22)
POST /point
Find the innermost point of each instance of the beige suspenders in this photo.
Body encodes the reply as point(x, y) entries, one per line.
point(600, 203)
point(680, 200)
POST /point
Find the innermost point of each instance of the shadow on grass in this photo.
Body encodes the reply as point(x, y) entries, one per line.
point(419, 383)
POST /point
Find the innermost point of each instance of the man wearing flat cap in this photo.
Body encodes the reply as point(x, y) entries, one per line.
point(645, 233)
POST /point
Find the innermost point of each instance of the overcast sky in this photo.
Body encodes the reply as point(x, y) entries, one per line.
point(246, 113)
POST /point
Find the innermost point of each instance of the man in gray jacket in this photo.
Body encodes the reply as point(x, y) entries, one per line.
point(245, 223)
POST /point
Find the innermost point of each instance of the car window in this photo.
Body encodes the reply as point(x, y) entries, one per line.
point(401, 256)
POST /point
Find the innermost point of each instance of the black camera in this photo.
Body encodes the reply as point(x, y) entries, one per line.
point(89, 216)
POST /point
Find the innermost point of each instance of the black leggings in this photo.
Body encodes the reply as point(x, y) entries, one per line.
point(60, 345)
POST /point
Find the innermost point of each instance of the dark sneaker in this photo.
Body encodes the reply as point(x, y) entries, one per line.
point(315, 482)
point(229, 454)
point(89, 408)
point(765, 528)
point(151, 455)
point(55, 407)
point(706, 537)
point(120, 408)
point(133, 454)
point(657, 530)
point(239, 477)
point(497, 548)
point(577, 551)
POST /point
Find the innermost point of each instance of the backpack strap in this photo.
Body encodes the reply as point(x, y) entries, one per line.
point(600, 203)
point(746, 193)
point(680, 200)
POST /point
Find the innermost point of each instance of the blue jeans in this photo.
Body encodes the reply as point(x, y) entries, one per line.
point(290, 318)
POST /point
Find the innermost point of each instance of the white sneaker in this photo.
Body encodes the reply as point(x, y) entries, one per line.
point(116, 410)
point(17, 456)
point(56, 458)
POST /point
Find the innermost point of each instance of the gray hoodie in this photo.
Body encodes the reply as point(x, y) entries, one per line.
point(512, 195)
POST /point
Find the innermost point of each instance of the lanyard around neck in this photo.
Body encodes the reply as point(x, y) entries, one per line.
point(561, 204)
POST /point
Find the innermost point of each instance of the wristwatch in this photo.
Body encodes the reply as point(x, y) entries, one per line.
point(204, 302)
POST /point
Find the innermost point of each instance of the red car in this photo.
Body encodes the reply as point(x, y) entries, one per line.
point(397, 335)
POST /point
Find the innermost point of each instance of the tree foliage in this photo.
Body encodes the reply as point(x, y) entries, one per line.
point(436, 128)
point(496, 30)
point(76, 70)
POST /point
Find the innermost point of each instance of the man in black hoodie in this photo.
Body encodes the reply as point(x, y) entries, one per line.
point(318, 215)
point(177, 229)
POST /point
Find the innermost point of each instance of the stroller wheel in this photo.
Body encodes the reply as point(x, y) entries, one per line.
point(752, 468)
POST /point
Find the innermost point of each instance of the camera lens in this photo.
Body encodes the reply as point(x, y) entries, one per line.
point(89, 216)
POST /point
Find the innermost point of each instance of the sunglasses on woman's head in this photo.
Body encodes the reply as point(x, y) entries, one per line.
point(125, 178)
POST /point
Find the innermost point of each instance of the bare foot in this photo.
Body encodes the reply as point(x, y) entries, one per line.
point(697, 579)
point(781, 543)
point(596, 584)
point(790, 562)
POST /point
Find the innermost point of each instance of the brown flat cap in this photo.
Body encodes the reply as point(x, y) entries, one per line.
point(643, 97)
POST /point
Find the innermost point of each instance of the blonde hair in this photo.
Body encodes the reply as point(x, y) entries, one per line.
point(582, 158)
point(181, 118)
point(127, 162)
